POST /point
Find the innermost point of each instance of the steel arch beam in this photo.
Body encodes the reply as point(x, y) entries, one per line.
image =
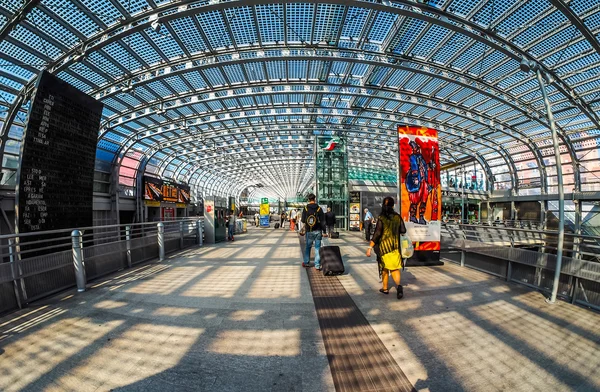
point(505, 154)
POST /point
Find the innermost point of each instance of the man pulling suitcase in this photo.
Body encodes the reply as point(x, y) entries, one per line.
point(313, 223)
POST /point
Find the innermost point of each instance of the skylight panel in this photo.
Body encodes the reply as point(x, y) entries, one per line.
point(142, 48)
point(427, 43)
point(297, 69)
point(35, 42)
point(299, 22)
point(476, 51)
point(270, 22)
point(495, 10)
point(355, 22)
point(166, 43)
point(187, 32)
point(122, 56)
point(159, 89)
point(255, 71)
point(103, 10)
point(20, 55)
point(581, 63)
point(455, 45)
point(214, 77)
point(195, 80)
point(134, 6)
point(382, 26)
point(75, 17)
point(276, 69)
point(553, 41)
point(214, 27)
point(7, 97)
point(177, 84)
point(592, 22)
point(328, 22)
point(242, 25)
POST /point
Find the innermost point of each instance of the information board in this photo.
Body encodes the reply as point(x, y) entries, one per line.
point(58, 153)
point(420, 190)
point(157, 190)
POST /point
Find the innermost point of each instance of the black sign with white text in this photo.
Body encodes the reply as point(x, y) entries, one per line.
point(56, 174)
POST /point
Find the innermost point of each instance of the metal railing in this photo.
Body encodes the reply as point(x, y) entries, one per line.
point(529, 256)
point(35, 265)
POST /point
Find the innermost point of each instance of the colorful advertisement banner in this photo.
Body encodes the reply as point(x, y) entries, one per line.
point(264, 212)
point(156, 189)
point(420, 190)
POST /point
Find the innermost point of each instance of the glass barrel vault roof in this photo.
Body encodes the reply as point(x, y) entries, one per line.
point(227, 94)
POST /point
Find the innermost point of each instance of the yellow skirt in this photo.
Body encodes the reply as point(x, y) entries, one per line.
point(392, 261)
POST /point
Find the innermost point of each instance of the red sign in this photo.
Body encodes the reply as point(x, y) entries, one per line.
point(208, 208)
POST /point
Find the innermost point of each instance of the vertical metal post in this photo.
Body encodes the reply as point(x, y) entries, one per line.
point(462, 196)
point(128, 244)
point(78, 263)
point(180, 235)
point(199, 232)
point(561, 191)
point(509, 272)
point(161, 240)
point(399, 175)
point(15, 273)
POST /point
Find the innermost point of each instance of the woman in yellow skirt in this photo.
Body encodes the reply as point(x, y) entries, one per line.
point(386, 242)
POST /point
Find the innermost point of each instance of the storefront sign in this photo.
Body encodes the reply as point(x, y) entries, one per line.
point(156, 189)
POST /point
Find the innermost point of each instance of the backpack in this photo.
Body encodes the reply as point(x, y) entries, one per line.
point(312, 219)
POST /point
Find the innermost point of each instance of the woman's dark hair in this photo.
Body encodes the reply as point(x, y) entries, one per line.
point(387, 208)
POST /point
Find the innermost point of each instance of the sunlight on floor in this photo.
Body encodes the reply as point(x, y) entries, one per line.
point(571, 350)
point(168, 281)
point(125, 358)
point(32, 356)
point(479, 358)
point(263, 343)
point(277, 282)
point(223, 282)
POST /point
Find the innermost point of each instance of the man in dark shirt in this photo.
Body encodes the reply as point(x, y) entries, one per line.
point(313, 221)
point(330, 221)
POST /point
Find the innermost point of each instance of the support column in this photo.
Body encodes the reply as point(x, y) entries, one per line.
point(78, 264)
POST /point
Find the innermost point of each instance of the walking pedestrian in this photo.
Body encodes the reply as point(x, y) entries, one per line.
point(313, 221)
point(386, 242)
point(367, 222)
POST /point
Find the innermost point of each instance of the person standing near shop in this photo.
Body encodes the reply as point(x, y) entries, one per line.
point(330, 221)
point(231, 226)
point(367, 222)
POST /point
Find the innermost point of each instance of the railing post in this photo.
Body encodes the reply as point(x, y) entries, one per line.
point(462, 248)
point(16, 274)
point(161, 240)
point(199, 232)
point(180, 235)
point(509, 271)
point(575, 289)
point(128, 244)
point(78, 260)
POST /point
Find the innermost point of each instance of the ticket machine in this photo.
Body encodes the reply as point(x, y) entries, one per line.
point(215, 214)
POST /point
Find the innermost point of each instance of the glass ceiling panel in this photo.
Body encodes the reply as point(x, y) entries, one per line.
point(464, 83)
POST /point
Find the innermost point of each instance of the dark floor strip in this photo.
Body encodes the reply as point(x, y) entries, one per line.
point(358, 359)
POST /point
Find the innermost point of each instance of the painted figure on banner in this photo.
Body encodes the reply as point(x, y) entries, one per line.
point(420, 190)
point(416, 184)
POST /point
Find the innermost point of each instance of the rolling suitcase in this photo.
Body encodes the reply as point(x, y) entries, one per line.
point(331, 260)
point(277, 225)
point(335, 234)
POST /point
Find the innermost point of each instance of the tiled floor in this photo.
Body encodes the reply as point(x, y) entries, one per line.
point(240, 317)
